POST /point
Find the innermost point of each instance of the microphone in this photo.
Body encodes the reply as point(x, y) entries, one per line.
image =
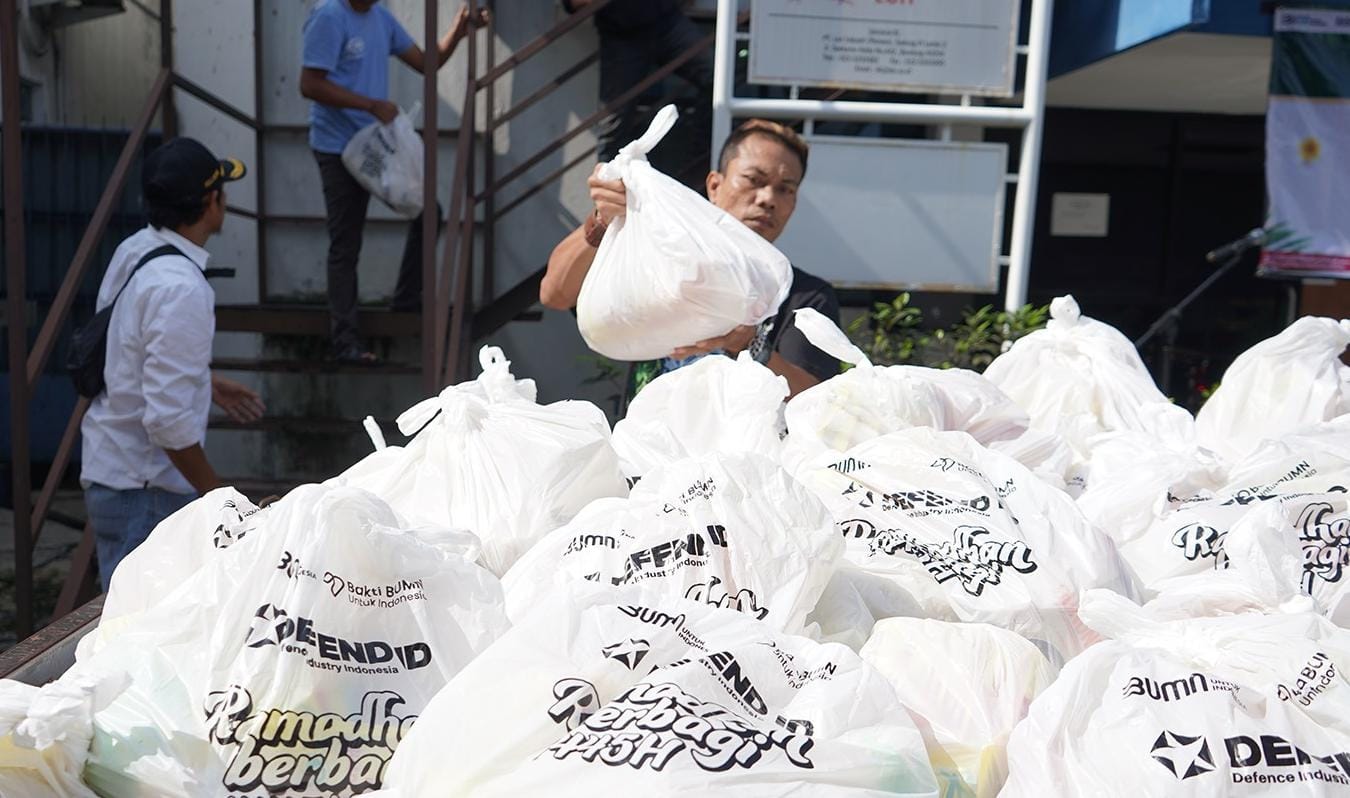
point(1253, 239)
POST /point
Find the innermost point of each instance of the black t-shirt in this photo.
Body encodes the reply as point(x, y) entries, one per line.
point(781, 335)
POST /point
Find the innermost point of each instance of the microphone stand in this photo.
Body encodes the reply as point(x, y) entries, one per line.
point(1169, 323)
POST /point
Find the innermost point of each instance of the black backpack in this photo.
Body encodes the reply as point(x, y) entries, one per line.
point(89, 346)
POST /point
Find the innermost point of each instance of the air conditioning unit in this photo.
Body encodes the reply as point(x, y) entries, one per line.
point(59, 13)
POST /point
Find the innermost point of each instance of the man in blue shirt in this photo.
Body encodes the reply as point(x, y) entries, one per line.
point(345, 71)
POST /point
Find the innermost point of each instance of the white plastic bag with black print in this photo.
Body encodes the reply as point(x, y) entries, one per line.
point(731, 530)
point(588, 696)
point(966, 534)
point(294, 663)
point(386, 159)
point(1240, 705)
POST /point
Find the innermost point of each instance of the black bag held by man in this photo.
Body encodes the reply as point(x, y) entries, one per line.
point(89, 345)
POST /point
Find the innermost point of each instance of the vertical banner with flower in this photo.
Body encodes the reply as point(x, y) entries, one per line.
point(1308, 144)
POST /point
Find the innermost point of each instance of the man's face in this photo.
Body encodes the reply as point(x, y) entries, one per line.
point(759, 186)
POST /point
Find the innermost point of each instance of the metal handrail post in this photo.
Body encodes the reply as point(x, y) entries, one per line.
point(169, 112)
point(98, 222)
point(17, 323)
point(489, 166)
point(460, 306)
point(1028, 171)
point(430, 112)
point(259, 153)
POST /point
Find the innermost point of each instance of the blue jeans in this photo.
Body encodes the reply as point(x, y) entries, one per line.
point(123, 519)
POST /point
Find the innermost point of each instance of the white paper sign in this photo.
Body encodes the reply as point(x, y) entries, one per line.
point(1080, 215)
point(923, 46)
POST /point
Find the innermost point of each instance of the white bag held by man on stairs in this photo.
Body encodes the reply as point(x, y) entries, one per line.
point(675, 269)
point(589, 696)
point(486, 458)
point(967, 534)
point(387, 161)
point(1285, 382)
point(1241, 705)
point(730, 530)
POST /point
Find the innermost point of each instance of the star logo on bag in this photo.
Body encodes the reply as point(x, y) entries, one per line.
point(1184, 755)
point(269, 627)
point(630, 652)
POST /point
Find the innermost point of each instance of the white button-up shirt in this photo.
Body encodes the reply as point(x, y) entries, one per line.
point(158, 369)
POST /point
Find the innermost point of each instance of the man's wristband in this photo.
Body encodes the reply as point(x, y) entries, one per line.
point(594, 230)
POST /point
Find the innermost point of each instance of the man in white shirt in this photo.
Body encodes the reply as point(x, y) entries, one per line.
point(142, 451)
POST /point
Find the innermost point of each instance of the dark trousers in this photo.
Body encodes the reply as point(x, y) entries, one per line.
point(346, 202)
point(627, 58)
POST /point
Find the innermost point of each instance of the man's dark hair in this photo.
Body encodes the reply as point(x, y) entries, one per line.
point(762, 127)
point(172, 217)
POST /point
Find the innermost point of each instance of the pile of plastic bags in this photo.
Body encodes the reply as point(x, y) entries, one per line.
point(1046, 580)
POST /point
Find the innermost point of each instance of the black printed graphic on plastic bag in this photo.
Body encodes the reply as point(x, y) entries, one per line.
point(974, 557)
point(650, 725)
point(284, 751)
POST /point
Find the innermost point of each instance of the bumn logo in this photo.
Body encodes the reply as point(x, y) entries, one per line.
point(1184, 755)
point(630, 652)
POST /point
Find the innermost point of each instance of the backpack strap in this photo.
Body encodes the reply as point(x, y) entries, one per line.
point(158, 252)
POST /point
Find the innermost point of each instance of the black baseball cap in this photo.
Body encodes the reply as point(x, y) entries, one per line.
point(182, 171)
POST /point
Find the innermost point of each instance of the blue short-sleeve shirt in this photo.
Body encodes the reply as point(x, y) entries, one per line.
point(354, 49)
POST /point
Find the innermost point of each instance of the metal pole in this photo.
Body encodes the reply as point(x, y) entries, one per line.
point(724, 76)
point(17, 327)
point(461, 306)
point(169, 114)
point(259, 152)
point(430, 98)
point(1029, 168)
point(490, 202)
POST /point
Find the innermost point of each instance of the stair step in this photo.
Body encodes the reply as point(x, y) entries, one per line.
point(286, 366)
point(305, 425)
point(311, 320)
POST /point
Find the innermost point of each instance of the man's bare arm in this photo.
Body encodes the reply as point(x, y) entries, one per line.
point(193, 465)
point(567, 268)
point(315, 85)
point(798, 378)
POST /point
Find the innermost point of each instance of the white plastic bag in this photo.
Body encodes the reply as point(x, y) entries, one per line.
point(387, 161)
point(1079, 377)
point(966, 685)
point(730, 530)
point(714, 405)
point(589, 697)
point(1285, 382)
point(1250, 705)
point(486, 458)
point(675, 269)
point(294, 662)
point(868, 401)
point(45, 734)
point(966, 534)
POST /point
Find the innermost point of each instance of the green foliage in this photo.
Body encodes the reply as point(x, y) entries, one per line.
point(893, 334)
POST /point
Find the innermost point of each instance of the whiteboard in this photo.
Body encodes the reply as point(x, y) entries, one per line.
point(900, 214)
point(939, 46)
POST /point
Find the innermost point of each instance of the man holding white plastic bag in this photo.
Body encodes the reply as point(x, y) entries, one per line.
point(760, 169)
point(345, 71)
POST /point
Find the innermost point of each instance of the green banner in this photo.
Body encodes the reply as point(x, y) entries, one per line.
point(1308, 144)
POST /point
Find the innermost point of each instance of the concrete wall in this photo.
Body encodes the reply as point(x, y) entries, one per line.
point(95, 73)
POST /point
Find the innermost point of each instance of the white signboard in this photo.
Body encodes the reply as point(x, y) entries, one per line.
point(1080, 215)
point(921, 46)
point(900, 214)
